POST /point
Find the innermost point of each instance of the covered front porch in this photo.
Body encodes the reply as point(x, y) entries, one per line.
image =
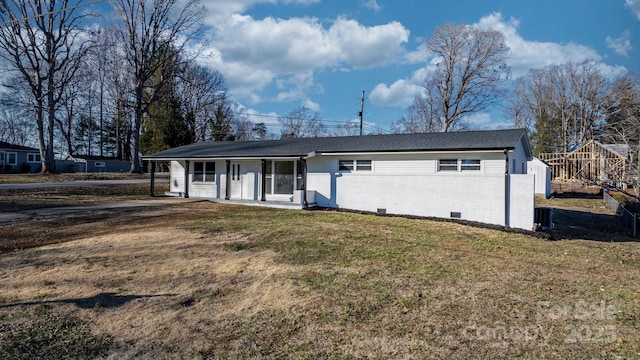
point(279, 182)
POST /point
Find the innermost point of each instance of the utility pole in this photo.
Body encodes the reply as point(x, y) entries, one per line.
point(361, 111)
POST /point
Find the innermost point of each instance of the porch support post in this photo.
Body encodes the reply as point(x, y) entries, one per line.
point(303, 186)
point(152, 170)
point(227, 190)
point(263, 181)
point(186, 179)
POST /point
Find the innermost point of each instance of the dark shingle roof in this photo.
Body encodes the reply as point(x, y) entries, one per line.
point(8, 146)
point(450, 141)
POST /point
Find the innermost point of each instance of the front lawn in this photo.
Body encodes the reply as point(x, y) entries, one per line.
point(223, 281)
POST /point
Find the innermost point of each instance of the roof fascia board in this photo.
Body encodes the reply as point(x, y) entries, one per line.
point(411, 152)
point(234, 158)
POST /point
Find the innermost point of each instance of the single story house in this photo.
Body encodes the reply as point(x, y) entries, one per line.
point(82, 163)
point(472, 175)
point(17, 158)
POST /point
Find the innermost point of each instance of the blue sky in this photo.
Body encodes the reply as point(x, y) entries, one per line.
point(277, 55)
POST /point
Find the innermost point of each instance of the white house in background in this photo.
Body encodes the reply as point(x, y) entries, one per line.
point(542, 173)
point(473, 175)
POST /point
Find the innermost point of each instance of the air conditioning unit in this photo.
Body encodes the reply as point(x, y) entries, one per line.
point(543, 218)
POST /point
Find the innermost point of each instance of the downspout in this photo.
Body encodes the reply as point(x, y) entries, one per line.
point(227, 191)
point(506, 188)
point(186, 179)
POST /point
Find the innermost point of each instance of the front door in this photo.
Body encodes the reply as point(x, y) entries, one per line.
point(236, 182)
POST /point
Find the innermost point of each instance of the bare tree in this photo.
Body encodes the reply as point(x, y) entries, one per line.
point(623, 120)
point(118, 129)
point(563, 106)
point(14, 122)
point(152, 31)
point(42, 42)
point(422, 117)
point(301, 122)
point(470, 71)
point(590, 98)
point(202, 93)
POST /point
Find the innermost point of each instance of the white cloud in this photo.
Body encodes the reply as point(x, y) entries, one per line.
point(402, 92)
point(220, 10)
point(255, 53)
point(634, 6)
point(524, 55)
point(527, 54)
point(372, 5)
point(620, 45)
point(312, 105)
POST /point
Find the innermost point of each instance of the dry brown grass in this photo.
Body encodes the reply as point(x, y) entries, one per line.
point(38, 178)
point(217, 281)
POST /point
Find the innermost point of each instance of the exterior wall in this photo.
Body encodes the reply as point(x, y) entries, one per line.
point(203, 189)
point(518, 157)
point(321, 177)
point(177, 177)
point(22, 162)
point(109, 166)
point(411, 185)
point(542, 173)
point(250, 180)
point(476, 198)
point(521, 201)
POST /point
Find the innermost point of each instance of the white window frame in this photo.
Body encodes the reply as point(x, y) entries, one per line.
point(15, 158)
point(33, 158)
point(471, 165)
point(208, 175)
point(270, 179)
point(446, 165)
point(355, 165)
point(462, 165)
point(99, 164)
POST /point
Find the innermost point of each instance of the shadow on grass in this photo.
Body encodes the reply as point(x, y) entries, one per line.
point(581, 225)
point(102, 300)
point(578, 195)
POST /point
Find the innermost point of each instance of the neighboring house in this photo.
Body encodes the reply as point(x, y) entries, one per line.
point(542, 174)
point(16, 158)
point(80, 163)
point(473, 175)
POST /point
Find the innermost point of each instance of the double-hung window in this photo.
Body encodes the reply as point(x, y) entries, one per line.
point(354, 165)
point(448, 165)
point(204, 172)
point(459, 165)
point(33, 157)
point(11, 158)
point(470, 165)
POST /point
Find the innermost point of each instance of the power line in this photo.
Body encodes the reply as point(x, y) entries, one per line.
point(51, 12)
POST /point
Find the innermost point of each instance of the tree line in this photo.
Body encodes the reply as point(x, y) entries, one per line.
point(133, 88)
point(116, 91)
point(561, 106)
